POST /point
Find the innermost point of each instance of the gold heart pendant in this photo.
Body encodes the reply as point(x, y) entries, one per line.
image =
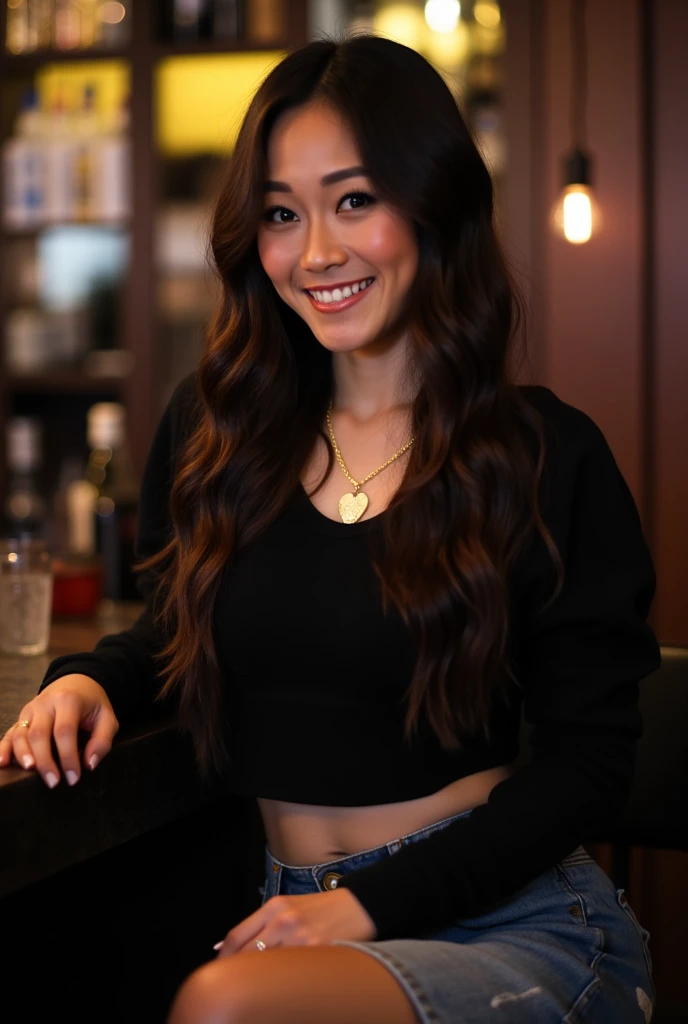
point(352, 507)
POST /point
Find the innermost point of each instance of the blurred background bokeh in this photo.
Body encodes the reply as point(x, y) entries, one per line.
point(115, 119)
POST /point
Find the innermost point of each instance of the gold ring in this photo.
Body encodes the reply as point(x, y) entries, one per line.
point(24, 724)
point(260, 944)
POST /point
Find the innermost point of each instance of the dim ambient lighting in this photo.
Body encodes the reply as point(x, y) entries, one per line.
point(442, 15)
point(402, 22)
point(487, 13)
point(576, 216)
point(112, 13)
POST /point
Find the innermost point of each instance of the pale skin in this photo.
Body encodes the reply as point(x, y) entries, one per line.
point(318, 241)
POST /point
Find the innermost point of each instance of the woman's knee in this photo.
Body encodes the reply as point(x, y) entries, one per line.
point(211, 995)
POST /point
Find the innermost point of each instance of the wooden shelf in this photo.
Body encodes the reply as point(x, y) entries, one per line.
point(20, 63)
point(21, 233)
point(213, 46)
point(142, 329)
point(8, 232)
point(60, 382)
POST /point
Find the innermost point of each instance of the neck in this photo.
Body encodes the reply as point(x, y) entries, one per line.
point(372, 385)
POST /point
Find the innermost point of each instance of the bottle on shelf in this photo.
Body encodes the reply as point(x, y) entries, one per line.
point(114, 23)
point(28, 342)
point(59, 162)
point(67, 25)
point(23, 167)
point(201, 19)
point(29, 25)
point(87, 128)
point(265, 21)
point(227, 23)
point(111, 167)
point(24, 509)
point(77, 568)
point(187, 19)
point(110, 471)
point(64, 24)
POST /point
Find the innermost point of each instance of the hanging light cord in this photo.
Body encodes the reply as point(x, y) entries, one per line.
point(579, 77)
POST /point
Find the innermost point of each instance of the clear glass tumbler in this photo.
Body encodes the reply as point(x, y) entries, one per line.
point(26, 595)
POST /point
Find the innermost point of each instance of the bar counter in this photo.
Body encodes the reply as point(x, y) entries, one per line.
point(147, 780)
point(132, 874)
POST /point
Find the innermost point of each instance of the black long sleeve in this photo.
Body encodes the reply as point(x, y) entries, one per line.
point(334, 737)
point(582, 660)
point(123, 662)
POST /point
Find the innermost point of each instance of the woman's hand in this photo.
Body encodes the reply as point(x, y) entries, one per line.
point(71, 703)
point(315, 919)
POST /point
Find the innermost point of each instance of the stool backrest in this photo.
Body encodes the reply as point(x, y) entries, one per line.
point(657, 810)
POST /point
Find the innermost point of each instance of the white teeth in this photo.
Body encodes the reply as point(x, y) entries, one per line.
point(337, 294)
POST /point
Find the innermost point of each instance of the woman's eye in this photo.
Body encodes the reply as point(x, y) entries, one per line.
point(357, 196)
point(270, 214)
point(359, 201)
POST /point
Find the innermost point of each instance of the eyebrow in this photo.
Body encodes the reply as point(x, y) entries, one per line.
point(328, 179)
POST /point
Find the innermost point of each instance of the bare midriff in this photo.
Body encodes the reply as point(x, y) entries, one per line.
point(300, 834)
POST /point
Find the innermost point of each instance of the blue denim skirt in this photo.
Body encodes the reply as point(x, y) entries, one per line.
point(564, 949)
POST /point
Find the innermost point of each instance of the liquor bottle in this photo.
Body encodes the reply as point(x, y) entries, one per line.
point(23, 167)
point(24, 507)
point(187, 19)
point(77, 568)
point(87, 127)
point(60, 151)
point(111, 189)
point(109, 469)
point(227, 21)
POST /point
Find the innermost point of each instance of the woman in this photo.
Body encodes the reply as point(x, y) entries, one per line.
point(364, 547)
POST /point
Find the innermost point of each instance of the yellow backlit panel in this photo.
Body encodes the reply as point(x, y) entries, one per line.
point(201, 100)
point(67, 81)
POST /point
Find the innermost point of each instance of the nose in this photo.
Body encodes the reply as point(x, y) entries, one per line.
point(321, 249)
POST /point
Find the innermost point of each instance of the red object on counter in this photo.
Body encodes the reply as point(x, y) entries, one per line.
point(77, 587)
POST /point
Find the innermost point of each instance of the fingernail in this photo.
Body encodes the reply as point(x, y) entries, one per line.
point(218, 945)
point(2, 758)
point(27, 761)
point(52, 779)
point(93, 761)
point(72, 777)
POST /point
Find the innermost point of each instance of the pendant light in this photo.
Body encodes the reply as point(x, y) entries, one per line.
point(576, 216)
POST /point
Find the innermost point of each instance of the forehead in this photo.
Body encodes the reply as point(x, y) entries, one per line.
point(309, 141)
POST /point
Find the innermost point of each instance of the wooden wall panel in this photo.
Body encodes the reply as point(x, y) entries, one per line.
point(608, 321)
point(670, 317)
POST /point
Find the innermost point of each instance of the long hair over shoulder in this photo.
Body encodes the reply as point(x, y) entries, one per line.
point(468, 501)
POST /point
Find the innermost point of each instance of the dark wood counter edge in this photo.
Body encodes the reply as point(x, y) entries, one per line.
point(148, 779)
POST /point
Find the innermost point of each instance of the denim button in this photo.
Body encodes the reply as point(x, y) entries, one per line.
point(330, 880)
point(275, 868)
point(575, 912)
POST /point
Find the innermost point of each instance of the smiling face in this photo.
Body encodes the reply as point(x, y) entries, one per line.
point(325, 230)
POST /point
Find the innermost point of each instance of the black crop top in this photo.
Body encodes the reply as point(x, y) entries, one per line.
point(316, 677)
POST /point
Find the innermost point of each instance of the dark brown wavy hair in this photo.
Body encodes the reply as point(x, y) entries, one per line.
point(468, 501)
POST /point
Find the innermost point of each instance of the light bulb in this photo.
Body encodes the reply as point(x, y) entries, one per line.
point(442, 15)
point(576, 215)
point(573, 217)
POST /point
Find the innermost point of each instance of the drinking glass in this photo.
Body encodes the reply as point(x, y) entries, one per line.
point(26, 593)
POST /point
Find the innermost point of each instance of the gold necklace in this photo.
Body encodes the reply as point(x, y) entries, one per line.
point(352, 506)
